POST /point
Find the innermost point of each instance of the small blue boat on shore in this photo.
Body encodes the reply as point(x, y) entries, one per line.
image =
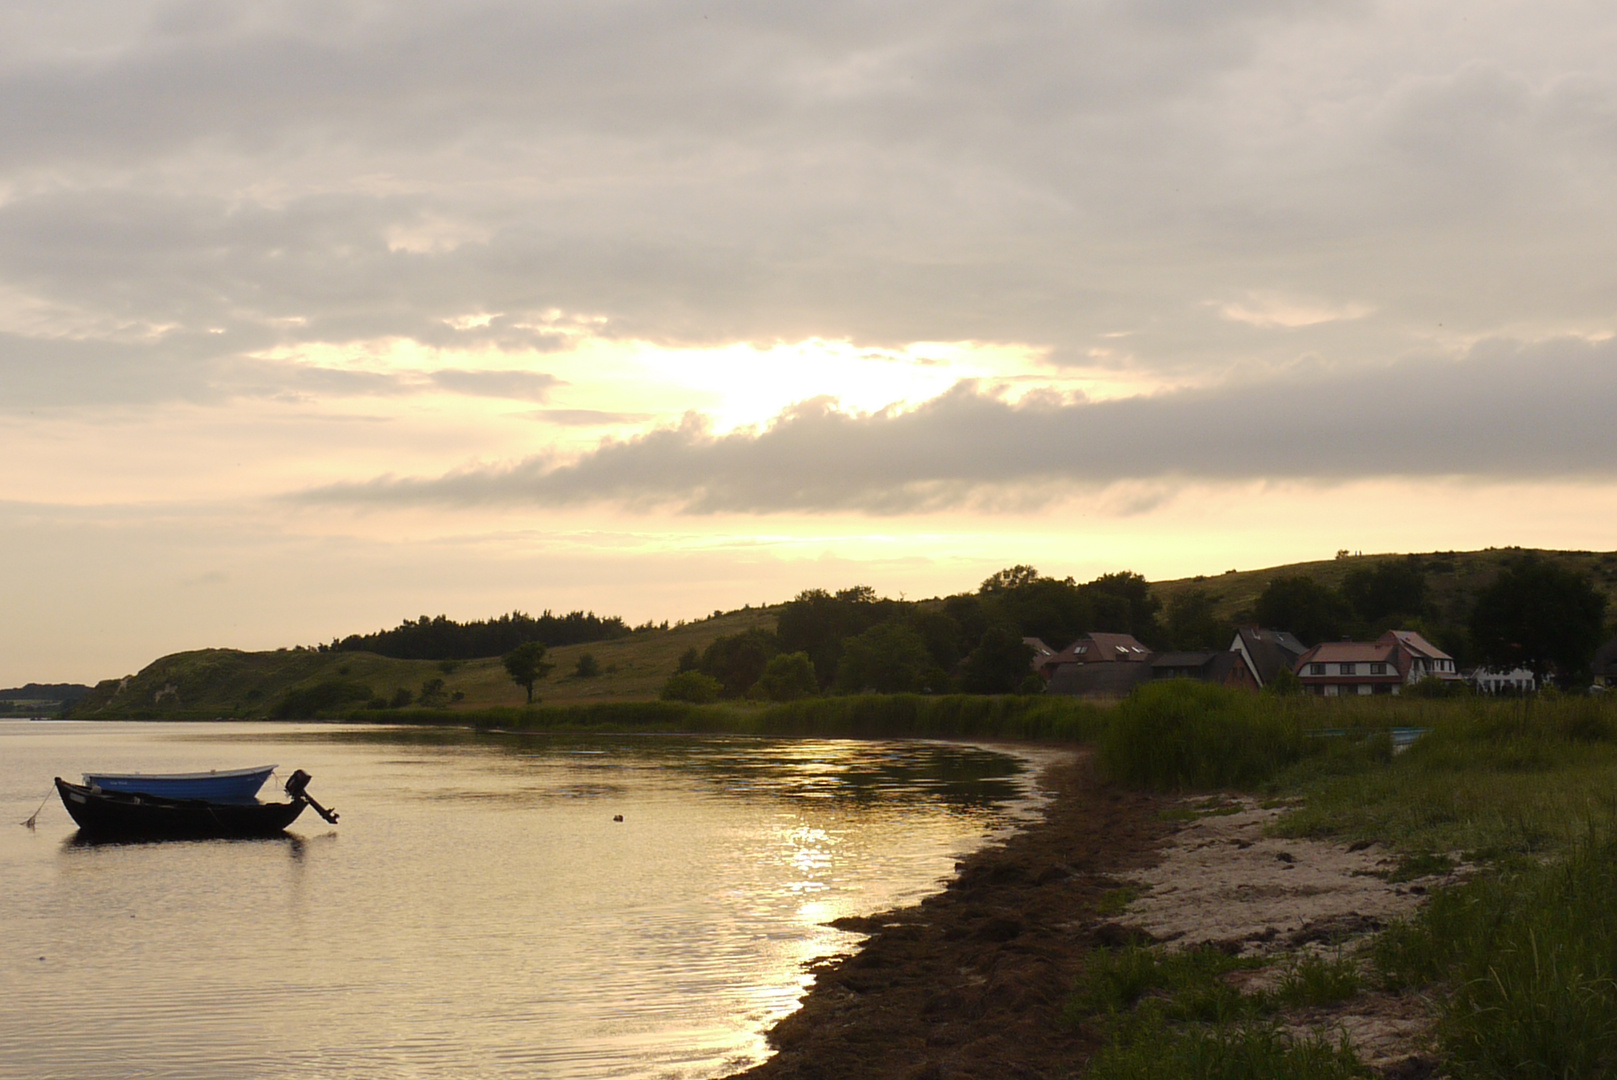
point(216, 785)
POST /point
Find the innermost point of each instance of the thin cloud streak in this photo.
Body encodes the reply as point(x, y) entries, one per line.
point(1477, 418)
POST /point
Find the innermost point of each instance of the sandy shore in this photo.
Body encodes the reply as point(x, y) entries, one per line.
point(972, 981)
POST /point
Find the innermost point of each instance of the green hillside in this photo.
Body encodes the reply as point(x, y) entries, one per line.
point(229, 683)
point(1453, 579)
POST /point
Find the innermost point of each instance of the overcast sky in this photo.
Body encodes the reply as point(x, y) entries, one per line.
point(316, 316)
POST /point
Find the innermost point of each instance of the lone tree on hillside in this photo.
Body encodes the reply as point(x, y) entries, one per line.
point(1540, 616)
point(526, 665)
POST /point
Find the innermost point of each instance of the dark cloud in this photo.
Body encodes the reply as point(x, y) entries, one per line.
point(1429, 419)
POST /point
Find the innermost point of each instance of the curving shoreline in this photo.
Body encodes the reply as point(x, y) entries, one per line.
point(971, 981)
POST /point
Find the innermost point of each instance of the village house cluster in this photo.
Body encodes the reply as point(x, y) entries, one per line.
point(1110, 665)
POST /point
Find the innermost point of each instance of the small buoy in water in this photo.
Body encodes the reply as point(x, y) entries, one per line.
point(617, 817)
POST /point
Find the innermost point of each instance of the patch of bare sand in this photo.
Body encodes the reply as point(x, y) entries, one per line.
point(1223, 881)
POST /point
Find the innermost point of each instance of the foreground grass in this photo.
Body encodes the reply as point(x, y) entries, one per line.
point(1521, 958)
point(1174, 1014)
point(1526, 961)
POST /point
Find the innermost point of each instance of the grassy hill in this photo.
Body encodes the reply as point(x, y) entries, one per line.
point(229, 683)
point(1453, 578)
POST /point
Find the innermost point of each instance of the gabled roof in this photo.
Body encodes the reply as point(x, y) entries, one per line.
point(1270, 651)
point(1279, 639)
point(1104, 648)
point(1040, 649)
point(1351, 652)
point(1416, 644)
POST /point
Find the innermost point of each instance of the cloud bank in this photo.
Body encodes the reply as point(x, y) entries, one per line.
point(1476, 418)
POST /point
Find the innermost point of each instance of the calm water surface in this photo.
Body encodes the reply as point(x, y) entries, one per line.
point(477, 913)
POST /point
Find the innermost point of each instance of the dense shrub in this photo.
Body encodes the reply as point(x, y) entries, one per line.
point(787, 677)
point(737, 660)
point(692, 686)
point(888, 658)
point(1180, 734)
point(1000, 664)
point(322, 697)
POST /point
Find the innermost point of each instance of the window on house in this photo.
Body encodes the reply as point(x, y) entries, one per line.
point(1347, 669)
point(1316, 669)
point(1378, 669)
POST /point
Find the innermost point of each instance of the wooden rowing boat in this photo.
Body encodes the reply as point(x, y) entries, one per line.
point(135, 815)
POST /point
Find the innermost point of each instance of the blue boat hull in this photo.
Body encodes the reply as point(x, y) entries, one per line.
point(233, 785)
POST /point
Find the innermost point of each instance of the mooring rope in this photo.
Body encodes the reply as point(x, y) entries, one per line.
point(34, 817)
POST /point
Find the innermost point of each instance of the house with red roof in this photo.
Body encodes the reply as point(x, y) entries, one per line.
point(1397, 659)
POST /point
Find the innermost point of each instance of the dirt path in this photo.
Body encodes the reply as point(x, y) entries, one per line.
point(971, 982)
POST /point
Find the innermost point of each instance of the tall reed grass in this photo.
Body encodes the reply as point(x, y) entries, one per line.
point(1490, 779)
point(1178, 735)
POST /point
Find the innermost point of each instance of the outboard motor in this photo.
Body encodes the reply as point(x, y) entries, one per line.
point(296, 788)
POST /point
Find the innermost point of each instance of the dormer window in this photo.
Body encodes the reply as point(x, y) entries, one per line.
point(1347, 669)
